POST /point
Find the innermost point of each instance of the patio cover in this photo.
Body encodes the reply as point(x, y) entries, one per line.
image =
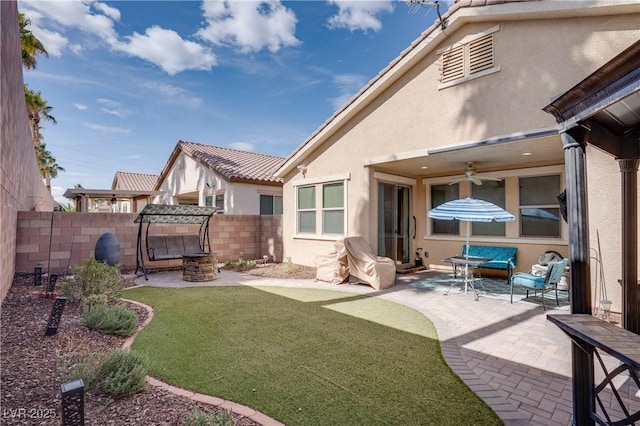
point(602, 110)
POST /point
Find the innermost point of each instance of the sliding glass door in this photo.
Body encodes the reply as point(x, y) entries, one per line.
point(394, 222)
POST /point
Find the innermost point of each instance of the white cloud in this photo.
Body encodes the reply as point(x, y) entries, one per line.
point(106, 129)
point(76, 48)
point(162, 47)
point(243, 146)
point(74, 14)
point(359, 14)
point(111, 107)
point(108, 102)
point(348, 85)
point(115, 112)
point(81, 107)
point(174, 93)
point(249, 25)
point(166, 49)
point(111, 12)
point(52, 41)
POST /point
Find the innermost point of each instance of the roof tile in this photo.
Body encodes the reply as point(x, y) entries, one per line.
point(236, 165)
point(129, 181)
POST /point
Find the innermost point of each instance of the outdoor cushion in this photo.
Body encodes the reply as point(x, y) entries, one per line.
point(529, 281)
point(501, 257)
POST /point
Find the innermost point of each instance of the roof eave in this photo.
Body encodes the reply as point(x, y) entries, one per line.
point(168, 165)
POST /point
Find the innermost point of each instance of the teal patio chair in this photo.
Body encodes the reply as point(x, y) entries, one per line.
point(537, 283)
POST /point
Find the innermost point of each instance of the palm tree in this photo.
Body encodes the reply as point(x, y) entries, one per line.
point(48, 167)
point(29, 44)
point(37, 109)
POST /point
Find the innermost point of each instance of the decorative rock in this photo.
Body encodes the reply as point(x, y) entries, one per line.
point(108, 249)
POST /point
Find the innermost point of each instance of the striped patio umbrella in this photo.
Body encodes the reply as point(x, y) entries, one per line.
point(470, 210)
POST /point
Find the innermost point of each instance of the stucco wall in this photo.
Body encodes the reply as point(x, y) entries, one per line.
point(21, 187)
point(63, 240)
point(537, 58)
point(188, 176)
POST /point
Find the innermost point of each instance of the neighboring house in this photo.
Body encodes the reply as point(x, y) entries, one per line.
point(129, 193)
point(234, 181)
point(472, 92)
point(129, 181)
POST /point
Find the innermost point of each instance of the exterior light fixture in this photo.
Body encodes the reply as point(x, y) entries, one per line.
point(606, 308)
point(302, 169)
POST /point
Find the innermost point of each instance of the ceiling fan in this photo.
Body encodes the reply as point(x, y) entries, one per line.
point(470, 174)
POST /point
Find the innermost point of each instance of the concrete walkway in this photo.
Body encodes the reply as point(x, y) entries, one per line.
point(509, 354)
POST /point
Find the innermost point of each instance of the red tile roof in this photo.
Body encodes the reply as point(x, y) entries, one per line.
point(129, 181)
point(235, 165)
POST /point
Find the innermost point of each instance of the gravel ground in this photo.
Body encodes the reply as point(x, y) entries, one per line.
point(34, 366)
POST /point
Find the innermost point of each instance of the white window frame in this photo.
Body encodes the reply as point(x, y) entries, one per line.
point(512, 236)
point(463, 48)
point(214, 196)
point(319, 182)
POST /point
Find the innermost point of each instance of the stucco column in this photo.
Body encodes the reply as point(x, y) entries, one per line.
point(582, 375)
point(630, 290)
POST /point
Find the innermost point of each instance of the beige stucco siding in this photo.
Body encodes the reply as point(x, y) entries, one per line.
point(189, 178)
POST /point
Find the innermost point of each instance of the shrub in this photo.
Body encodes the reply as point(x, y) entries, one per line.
point(93, 277)
point(120, 373)
point(118, 320)
point(94, 301)
point(289, 267)
point(240, 265)
point(205, 418)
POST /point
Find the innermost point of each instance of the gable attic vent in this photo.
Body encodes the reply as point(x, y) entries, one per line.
point(452, 64)
point(470, 58)
point(481, 54)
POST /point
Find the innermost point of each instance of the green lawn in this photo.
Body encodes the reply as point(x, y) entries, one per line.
point(305, 356)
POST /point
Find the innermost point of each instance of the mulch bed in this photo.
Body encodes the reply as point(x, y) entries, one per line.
point(34, 366)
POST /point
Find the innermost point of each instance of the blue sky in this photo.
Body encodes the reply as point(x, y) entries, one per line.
point(128, 79)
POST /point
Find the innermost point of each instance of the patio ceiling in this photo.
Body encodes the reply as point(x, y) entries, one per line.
point(525, 150)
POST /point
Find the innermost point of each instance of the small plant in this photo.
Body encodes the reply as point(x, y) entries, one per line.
point(93, 277)
point(205, 418)
point(289, 267)
point(120, 373)
point(118, 320)
point(94, 301)
point(241, 265)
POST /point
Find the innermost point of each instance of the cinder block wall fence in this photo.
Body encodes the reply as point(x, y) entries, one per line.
point(61, 240)
point(21, 186)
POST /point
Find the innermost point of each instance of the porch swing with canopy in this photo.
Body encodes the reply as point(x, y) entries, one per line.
point(175, 246)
